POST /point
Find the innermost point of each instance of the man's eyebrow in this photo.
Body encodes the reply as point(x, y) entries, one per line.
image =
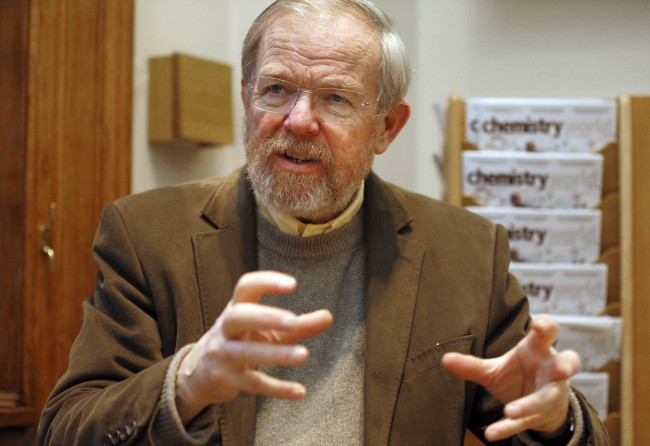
point(276, 72)
point(341, 84)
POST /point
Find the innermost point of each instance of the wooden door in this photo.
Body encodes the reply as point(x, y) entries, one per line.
point(66, 152)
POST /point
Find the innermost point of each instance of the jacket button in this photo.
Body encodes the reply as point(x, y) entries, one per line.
point(130, 428)
point(123, 435)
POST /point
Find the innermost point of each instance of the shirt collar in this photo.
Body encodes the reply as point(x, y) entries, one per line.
point(296, 227)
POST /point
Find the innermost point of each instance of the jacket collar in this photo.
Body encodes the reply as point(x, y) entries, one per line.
point(231, 201)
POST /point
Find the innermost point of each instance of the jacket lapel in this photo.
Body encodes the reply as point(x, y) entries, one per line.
point(221, 257)
point(394, 267)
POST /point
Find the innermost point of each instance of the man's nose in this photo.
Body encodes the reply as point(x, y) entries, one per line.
point(302, 119)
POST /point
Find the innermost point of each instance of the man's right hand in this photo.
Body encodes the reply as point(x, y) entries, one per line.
point(247, 335)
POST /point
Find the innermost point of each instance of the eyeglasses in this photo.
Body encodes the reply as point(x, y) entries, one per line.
point(330, 104)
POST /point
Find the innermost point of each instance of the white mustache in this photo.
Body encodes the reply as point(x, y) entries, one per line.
point(297, 149)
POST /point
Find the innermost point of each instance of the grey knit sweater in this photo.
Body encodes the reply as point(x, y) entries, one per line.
point(331, 273)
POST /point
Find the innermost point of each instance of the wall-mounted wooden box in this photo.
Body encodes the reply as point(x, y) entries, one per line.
point(189, 101)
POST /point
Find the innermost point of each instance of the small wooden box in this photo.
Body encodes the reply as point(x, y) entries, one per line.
point(190, 101)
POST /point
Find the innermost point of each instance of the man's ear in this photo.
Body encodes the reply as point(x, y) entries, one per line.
point(391, 125)
point(244, 93)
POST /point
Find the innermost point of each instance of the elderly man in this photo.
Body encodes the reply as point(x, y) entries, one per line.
point(302, 300)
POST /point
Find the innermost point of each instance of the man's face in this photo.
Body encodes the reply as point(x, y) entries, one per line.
point(299, 163)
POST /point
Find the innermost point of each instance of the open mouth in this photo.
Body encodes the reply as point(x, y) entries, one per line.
point(297, 160)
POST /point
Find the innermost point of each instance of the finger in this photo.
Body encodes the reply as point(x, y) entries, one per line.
point(546, 401)
point(258, 383)
point(542, 336)
point(308, 325)
point(566, 364)
point(556, 367)
point(252, 286)
point(468, 367)
point(552, 423)
point(506, 428)
point(243, 318)
point(253, 354)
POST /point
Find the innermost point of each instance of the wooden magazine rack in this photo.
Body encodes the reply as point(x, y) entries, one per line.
point(625, 248)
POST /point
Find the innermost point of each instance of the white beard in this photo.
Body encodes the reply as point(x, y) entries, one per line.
point(308, 198)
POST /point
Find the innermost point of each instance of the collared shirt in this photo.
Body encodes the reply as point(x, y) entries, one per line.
point(294, 226)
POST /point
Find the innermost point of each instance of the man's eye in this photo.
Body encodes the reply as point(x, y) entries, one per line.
point(276, 89)
point(337, 99)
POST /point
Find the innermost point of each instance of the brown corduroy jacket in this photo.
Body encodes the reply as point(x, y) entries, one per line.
point(169, 259)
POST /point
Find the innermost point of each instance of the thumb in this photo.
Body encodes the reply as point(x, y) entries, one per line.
point(467, 367)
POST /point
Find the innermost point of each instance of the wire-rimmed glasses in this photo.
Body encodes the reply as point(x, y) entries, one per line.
point(336, 105)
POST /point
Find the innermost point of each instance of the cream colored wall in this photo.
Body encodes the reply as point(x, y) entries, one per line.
point(549, 48)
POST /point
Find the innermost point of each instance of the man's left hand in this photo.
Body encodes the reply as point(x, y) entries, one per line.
point(532, 380)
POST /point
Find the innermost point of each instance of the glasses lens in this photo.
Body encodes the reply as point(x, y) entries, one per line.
point(330, 104)
point(337, 105)
point(274, 95)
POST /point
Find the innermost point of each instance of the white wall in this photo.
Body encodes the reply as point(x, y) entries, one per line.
point(530, 48)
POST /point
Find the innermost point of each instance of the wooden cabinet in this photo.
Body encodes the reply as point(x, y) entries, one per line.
point(65, 132)
point(625, 247)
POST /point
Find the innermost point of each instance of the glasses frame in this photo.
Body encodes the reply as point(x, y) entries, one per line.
point(360, 107)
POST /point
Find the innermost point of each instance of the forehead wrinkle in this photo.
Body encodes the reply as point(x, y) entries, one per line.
point(345, 80)
point(276, 66)
point(319, 53)
point(282, 55)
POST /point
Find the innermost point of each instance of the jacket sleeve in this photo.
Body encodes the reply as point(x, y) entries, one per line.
point(508, 323)
point(111, 391)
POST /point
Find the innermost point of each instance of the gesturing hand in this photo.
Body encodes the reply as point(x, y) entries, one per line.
point(532, 379)
point(246, 335)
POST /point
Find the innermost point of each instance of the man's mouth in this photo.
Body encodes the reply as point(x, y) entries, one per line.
point(297, 160)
